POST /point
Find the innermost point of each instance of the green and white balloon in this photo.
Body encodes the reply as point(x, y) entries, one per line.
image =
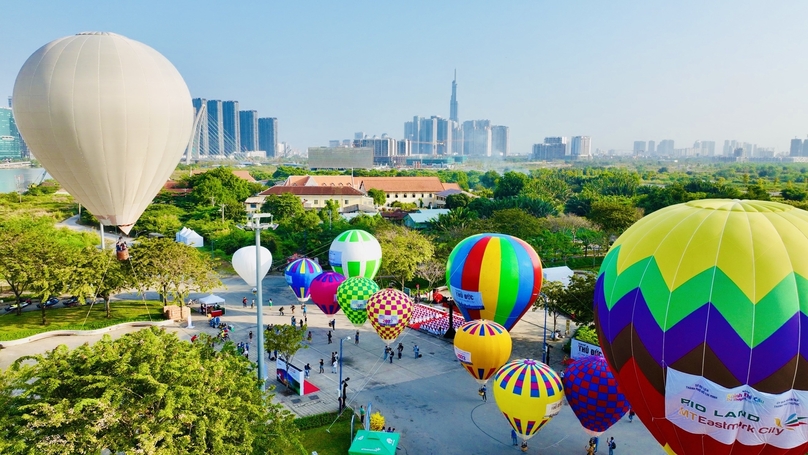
point(355, 253)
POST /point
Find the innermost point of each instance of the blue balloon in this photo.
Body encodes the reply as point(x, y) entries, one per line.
point(299, 275)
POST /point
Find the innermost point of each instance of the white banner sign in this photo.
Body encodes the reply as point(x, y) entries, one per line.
point(468, 299)
point(700, 406)
point(386, 320)
point(335, 258)
point(463, 356)
point(579, 349)
point(359, 304)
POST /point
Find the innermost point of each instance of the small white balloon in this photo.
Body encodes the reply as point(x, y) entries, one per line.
point(244, 263)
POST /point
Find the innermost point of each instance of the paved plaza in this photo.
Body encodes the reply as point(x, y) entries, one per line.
point(431, 401)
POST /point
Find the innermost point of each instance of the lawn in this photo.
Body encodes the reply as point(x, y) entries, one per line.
point(13, 327)
point(335, 441)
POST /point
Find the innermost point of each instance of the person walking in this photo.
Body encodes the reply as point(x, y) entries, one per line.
point(244, 302)
point(483, 393)
point(308, 338)
point(612, 446)
point(334, 366)
point(270, 302)
point(250, 336)
point(280, 311)
point(513, 437)
point(416, 351)
point(301, 324)
point(400, 350)
point(303, 307)
point(329, 337)
point(356, 337)
point(307, 370)
point(322, 370)
point(293, 309)
point(631, 415)
point(294, 322)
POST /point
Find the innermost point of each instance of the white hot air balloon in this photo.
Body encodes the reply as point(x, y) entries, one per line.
point(108, 117)
point(244, 263)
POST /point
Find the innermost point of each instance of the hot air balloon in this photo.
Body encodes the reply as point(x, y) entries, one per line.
point(482, 347)
point(389, 311)
point(593, 395)
point(528, 393)
point(299, 275)
point(244, 263)
point(323, 291)
point(701, 313)
point(355, 253)
point(108, 117)
point(495, 277)
point(353, 295)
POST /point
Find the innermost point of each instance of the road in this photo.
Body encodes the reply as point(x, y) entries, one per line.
point(109, 237)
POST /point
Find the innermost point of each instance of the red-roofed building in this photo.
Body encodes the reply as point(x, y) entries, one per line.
point(313, 197)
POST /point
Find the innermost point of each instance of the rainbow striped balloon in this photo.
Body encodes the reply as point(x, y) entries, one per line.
point(495, 277)
point(482, 347)
point(299, 275)
point(528, 393)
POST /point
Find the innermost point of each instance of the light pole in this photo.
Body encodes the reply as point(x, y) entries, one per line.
point(339, 386)
point(545, 351)
point(262, 373)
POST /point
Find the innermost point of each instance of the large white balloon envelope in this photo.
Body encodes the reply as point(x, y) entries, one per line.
point(244, 261)
point(108, 117)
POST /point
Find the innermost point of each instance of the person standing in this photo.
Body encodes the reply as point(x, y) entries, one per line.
point(303, 307)
point(307, 370)
point(513, 437)
point(590, 448)
point(294, 323)
point(612, 446)
point(293, 309)
point(308, 338)
point(322, 370)
point(244, 302)
point(270, 302)
point(400, 350)
point(595, 441)
point(362, 415)
point(386, 351)
point(280, 311)
point(301, 324)
point(356, 337)
point(416, 351)
point(334, 366)
point(631, 415)
point(391, 356)
point(329, 337)
point(250, 336)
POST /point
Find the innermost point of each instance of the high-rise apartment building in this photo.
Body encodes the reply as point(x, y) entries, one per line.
point(804, 148)
point(665, 147)
point(232, 127)
point(202, 139)
point(553, 148)
point(9, 136)
point(639, 147)
point(215, 128)
point(651, 147)
point(580, 147)
point(707, 148)
point(453, 102)
point(248, 125)
point(796, 147)
point(500, 140)
point(477, 137)
point(268, 135)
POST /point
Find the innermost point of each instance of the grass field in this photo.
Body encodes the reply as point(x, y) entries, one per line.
point(335, 441)
point(13, 327)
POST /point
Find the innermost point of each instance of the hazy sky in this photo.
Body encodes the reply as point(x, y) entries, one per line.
point(617, 71)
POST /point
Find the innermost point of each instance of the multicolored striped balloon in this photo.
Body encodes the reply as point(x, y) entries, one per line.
point(355, 253)
point(324, 291)
point(353, 295)
point(495, 277)
point(528, 393)
point(299, 275)
point(482, 347)
point(593, 394)
point(389, 311)
point(701, 313)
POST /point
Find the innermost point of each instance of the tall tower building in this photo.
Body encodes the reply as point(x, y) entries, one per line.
point(248, 124)
point(500, 140)
point(651, 147)
point(215, 127)
point(453, 102)
point(796, 147)
point(232, 129)
point(580, 147)
point(639, 147)
point(477, 137)
point(203, 140)
point(268, 135)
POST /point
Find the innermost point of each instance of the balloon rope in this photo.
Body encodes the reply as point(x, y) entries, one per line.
point(95, 292)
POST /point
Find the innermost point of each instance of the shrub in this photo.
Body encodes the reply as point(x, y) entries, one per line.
point(376, 421)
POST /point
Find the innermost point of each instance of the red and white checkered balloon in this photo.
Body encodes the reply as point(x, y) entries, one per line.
point(389, 311)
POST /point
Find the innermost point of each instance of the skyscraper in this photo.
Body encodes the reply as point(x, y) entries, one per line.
point(202, 138)
point(9, 136)
point(580, 147)
point(651, 147)
point(248, 124)
point(453, 102)
point(268, 135)
point(665, 147)
point(639, 147)
point(500, 140)
point(796, 147)
point(232, 130)
point(215, 127)
point(477, 137)
point(553, 148)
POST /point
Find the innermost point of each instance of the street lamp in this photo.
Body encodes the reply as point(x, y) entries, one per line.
point(340, 388)
point(545, 351)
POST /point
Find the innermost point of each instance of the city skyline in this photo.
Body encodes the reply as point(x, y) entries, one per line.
point(626, 71)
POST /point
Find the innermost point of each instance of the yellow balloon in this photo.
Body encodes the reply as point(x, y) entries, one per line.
point(528, 393)
point(482, 347)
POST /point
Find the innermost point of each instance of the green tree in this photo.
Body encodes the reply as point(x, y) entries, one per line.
point(433, 271)
point(794, 194)
point(286, 339)
point(220, 186)
point(283, 206)
point(578, 297)
point(173, 269)
point(552, 299)
point(516, 222)
point(19, 245)
point(510, 185)
point(454, 201)
point(490, 179)
point(379, 196)
point(614, 215)
point(145, 392)
point(160, 218)
point(97, 272)
point(402, 250)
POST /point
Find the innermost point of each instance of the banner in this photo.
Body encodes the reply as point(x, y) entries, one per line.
point(699, 406)
point(579, 349)
point(292, 377)
point(468, 299)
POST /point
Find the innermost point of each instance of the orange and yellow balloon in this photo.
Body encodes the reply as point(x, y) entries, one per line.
point(482, 347)
point(528, 393)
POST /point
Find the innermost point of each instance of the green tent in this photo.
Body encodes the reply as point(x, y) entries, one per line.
point(376, 442)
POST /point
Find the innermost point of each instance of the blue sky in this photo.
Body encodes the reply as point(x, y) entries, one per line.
point(618, 71)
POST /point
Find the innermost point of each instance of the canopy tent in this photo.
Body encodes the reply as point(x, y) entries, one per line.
point(211, 299)
point(377, 442)
point(562, 274)
point(189, 237)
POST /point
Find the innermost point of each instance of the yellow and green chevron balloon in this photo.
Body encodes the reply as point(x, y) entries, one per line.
point(353, 295)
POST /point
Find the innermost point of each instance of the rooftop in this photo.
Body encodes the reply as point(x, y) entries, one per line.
point(313, 191)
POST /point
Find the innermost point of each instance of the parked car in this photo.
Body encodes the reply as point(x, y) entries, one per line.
point(13, 306)
point(48, 303)
point(72, 301)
